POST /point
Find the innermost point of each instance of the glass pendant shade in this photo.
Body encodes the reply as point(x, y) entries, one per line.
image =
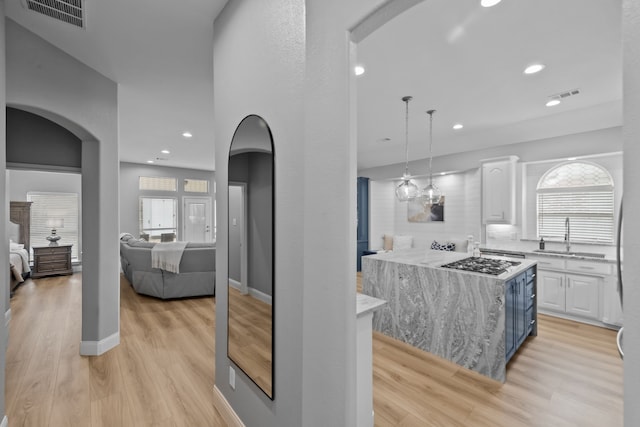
point(407, 190)
point(431, 195)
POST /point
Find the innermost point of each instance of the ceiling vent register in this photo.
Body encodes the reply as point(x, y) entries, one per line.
point(69, 11)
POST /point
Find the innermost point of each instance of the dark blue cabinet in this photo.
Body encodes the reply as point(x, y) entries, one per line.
point(362, 239)
point(520, 310)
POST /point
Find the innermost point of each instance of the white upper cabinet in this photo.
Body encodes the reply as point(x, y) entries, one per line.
point(499, 191)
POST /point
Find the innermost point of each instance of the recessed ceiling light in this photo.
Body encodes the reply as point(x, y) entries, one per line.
point(359, 70)
point(489, 3)
point(187, 134)
point(149, 161)
point(165, 152)
point(534, 68)
point(552, 102)
point(458, 126)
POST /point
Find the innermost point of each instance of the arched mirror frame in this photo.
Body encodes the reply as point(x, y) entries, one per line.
point(250, 371)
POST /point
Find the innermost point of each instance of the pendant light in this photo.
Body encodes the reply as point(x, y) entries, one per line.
point(407, 190)
point(431, 194)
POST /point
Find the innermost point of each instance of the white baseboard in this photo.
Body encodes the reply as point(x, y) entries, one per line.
point(260, 295)
point(5, 422)
point(253, 292)
point(96, 348)
point(222, 405)
point(235, 284)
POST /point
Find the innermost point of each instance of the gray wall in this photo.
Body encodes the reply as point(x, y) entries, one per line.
point(34, 140)
point(46, 81)
point(4, 216)
point(305, 93)
point(130, 193)
point(631, 137)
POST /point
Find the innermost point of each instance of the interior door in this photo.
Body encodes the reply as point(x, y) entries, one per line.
point(197, 219)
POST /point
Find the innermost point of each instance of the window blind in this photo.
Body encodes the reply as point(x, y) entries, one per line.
point(158, 183)
point(55, 206)
point(591, 215)
point(196, 185)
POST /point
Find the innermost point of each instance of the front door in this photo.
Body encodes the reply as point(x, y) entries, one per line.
point(197, 219)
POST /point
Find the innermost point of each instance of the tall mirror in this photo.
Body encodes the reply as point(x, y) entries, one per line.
point(251, 252)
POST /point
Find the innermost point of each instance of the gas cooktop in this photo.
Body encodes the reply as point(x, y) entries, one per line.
point(482, 265)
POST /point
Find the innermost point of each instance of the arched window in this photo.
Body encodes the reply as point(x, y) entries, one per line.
point(581, 191)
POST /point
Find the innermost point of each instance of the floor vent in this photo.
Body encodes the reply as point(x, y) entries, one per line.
point(69, 11)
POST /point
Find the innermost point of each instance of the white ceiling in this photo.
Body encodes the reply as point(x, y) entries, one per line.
point(161, 55)
point(467, 62)
point(463, 60)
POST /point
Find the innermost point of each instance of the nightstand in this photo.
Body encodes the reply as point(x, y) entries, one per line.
point(51, 260)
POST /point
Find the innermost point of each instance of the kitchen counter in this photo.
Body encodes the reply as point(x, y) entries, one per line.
point(528, 249)
point(435, 259)
point(457, 315)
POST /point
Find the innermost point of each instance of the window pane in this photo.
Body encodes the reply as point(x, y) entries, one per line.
point(158, 216)
point(55, 206)
point(156, 183)
point(196, 185)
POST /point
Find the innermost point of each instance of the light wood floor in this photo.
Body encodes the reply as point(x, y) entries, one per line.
point(162, 372)
point(250, 337)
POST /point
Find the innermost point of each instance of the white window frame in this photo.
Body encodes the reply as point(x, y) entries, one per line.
point(158, 230)
point(590, 210)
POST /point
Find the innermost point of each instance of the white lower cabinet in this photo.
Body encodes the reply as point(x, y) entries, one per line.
point(564, 292)
point(582, 296)
point(551, 294)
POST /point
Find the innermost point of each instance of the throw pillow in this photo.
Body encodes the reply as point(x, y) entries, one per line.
point(443, 246)
point(402, 242)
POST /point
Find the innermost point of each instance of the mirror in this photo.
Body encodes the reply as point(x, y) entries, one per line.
point(251, 252)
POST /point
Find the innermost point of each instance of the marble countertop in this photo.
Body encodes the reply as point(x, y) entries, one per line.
point(530, 251)
point(436, 259)
point(366, 304)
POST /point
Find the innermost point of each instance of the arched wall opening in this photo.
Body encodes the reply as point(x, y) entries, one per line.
point(89, 154)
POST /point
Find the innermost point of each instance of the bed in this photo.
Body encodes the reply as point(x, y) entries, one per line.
point(19, 235)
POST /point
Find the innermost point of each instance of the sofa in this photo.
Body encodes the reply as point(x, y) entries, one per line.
point(196, 275)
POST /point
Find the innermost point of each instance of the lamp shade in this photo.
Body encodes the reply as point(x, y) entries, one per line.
point(55, 222)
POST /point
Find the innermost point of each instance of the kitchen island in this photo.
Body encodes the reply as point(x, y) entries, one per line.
point(476, 320)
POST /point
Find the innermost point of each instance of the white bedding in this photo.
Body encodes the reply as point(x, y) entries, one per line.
point(22, 259)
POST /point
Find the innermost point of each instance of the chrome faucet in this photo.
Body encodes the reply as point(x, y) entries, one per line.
point(567, 234)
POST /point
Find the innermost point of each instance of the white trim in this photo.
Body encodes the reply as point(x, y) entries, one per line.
point(5, 422)
point(260, 295)
point(226, 411)
point(7, 318)
point(253, 292)
point(96, 348)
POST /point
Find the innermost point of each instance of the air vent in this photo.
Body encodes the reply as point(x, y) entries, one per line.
point(69, 11)
point(566, 94)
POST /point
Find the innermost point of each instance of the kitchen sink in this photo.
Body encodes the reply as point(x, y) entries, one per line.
point(570, 253)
